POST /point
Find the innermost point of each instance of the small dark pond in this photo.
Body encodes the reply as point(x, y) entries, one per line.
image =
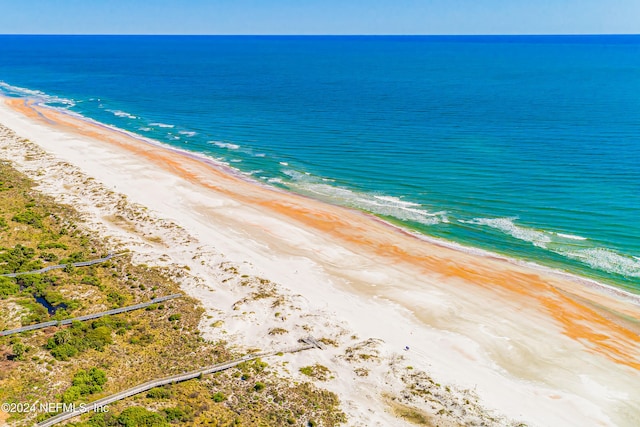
point(51, 309)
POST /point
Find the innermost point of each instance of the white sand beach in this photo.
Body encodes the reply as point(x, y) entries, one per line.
point(533, 346)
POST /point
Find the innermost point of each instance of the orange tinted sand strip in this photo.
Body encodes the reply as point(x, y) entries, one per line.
point(604, 332)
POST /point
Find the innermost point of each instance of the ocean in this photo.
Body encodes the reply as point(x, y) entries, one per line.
point(525, 146)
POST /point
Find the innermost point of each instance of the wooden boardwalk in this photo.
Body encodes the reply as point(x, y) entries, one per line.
point(88, 316)
point(60, 266)
point(307, 343)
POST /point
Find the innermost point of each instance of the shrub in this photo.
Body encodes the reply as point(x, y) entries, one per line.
point(28, 217)
point(158, 393)
point(72, 394)
point(177, 414)
point(8, 287)
point(85, 383)
point(219, 397)
point(80, 337)
point(52, 245)
point(91, 280)
point(143, 339)
point(63, 351)
point(259, 386)
point(316, 371)
point(19, 350)
point(74, 257)
point(175, 317)
point(116, 299)
point(18, 259)
point(61, 314)
point(111, 322)
point(34, 283)
point(137, 416)
point(35, 312)
point(56, 298)
point(48, 257)
point(98, 338)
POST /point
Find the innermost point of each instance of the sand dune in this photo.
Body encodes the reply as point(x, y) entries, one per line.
point(536, 346)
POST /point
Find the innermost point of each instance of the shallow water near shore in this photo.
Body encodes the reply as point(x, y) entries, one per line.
point(390, 285)
point(525, 146)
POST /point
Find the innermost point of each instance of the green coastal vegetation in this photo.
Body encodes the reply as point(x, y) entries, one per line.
point(316, 371)
point(86, 361)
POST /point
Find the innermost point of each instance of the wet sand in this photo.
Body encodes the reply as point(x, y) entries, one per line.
point(549, 348)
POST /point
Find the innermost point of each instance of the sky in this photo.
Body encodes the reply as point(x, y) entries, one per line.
point(319, 16)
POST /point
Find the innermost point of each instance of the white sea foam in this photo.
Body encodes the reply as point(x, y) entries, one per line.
point(284, 163)
point(598, 258)
point(226, 145)
point(396, 200)
point(35, 94)
point(607, 260)
point(161, 125)
point(378, 204)
point(507, 226)
point(145, 129)
point(570, 236)
point(122, 114)
point(188, 133)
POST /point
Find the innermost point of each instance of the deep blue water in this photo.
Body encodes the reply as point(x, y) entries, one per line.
point(525, 146)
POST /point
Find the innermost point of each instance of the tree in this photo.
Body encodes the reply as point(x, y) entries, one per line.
point(85, 383)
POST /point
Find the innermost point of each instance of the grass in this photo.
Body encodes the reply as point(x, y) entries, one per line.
point(317, 371)
point(89, 360)
point(412, 415)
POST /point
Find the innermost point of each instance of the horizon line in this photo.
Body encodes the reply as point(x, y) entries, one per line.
point(329, 35)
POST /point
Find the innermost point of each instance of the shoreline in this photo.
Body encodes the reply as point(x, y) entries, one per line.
point(613, 290)
point(536, 354)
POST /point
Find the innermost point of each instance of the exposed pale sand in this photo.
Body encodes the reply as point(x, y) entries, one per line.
point(536, 346)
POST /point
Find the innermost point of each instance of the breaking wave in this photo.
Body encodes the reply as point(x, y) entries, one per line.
point(377, 204)
point(607, 260)
point(120, 113)
point(507, 226)
point(35, 94)
point(226, 145)
point(570, 246)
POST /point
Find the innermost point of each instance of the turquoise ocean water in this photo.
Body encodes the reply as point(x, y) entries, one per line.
point(524, 146)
